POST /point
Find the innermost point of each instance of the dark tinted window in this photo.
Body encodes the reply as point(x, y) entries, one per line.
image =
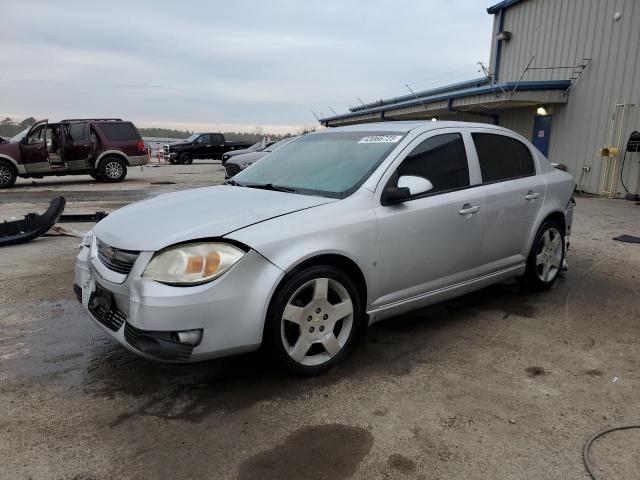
point(119, 131)
point(502, 158)
point(203, 139)
point(78, 131)
point(442, 160)
point(217, 139)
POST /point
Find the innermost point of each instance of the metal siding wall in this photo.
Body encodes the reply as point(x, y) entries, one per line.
point(561, 33)
point(519, 120)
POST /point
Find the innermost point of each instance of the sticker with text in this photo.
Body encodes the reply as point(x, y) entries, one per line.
point(381, 139)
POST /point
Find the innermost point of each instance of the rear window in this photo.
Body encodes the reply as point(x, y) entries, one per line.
point(119, 131)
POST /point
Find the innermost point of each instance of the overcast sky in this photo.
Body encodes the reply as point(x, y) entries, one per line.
point(230, 64)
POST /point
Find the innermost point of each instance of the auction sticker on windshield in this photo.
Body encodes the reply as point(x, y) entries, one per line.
point(381, 139)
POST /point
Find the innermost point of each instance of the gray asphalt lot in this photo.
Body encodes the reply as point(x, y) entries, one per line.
point(500, 384)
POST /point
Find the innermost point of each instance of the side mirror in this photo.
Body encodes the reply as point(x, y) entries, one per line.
point(24, 140)
point(416, 185)
point(391, 195)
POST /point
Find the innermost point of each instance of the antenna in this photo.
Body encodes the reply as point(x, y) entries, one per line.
point(334, 112)
point(314, 114)
point(414, 94)
point(361, 101)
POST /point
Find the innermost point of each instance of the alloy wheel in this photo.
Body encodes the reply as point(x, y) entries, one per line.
point(317, 321)
point(113, 170)
point(5, 175)
point(549, 256)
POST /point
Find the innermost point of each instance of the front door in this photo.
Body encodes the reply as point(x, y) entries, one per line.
point(33, 149)
point(542, 133)
point(434, 240)
point(202, 146)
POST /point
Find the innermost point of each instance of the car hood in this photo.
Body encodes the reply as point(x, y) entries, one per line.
point(178, 144)
point(250, 157)
point(194, 214)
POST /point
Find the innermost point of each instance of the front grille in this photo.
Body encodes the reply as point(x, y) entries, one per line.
point(113, 320)
point(120, 261)
point(231, 169)
point(178, 351)
point(78, 291)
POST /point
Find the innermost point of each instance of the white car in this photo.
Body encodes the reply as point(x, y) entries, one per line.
point(329, 234)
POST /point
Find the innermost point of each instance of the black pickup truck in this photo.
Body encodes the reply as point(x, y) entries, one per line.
point(200, 145)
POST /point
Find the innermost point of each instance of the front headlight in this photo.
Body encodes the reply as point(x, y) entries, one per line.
point(192, 263)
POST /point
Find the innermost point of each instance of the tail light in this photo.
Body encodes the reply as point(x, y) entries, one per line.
point(140, 146)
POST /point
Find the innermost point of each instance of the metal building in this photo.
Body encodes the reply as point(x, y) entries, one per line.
point(563, 73)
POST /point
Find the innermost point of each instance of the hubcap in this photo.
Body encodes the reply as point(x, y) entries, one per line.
point(5, 174)
point(317, 321)
point(113, 170)
point(549, 256)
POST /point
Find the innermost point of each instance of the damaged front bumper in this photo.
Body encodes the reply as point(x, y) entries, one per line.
point(177, 324)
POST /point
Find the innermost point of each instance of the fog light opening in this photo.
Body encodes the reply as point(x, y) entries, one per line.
point(192, 337)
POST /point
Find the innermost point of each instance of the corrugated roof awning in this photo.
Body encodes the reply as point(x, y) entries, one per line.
point(502, 5)
point(483, 98)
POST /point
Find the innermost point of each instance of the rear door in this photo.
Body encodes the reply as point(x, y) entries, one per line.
point(433, 240)
point(218, 146)
point(77, 145)
point(33, 149)
point(513, 191)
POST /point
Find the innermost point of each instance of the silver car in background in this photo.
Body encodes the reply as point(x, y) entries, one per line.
point(331, 233)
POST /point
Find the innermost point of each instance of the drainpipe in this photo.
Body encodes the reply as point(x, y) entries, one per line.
point(496, 64)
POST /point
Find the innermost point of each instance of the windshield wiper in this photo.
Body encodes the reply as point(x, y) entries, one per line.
point(233, 183)
point(271, 186)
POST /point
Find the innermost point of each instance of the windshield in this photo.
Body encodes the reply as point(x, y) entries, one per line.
point(331, 164)
point(255, 147)
point(19, 136)
point(191, 138)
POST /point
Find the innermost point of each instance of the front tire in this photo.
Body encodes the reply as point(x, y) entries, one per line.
point(112, 169)
point(8, 174)
point(313, 319)
point(547, 255)
point(185, 159)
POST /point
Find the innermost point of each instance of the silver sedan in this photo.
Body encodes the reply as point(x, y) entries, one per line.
point(323, 237)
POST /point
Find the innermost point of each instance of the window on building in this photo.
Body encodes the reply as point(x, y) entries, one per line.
point(119, 131)
point(78, 131)
point(502, 158)
point(442, 160)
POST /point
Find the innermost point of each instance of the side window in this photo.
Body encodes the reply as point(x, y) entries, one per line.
point(36, 135)
point(78, 131)
point(119, 131)
point(502, 158)
point(217, 139)
point(441, 159)
point(203, 140)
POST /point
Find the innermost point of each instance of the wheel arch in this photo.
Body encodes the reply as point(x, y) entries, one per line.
point(336, 260)
point(555, 214)
point(20, 169)
point(111, 153)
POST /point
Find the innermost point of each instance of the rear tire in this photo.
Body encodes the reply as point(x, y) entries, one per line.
point(8, 174)
point(112, 169)
point(547, 256)
point(313, 320)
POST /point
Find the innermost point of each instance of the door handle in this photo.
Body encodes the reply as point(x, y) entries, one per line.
point(531, 195)
point(467, 209)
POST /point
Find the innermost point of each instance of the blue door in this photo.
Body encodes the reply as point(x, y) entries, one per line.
point(542, 133)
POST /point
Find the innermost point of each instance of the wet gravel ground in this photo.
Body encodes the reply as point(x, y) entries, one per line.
point(499, 384)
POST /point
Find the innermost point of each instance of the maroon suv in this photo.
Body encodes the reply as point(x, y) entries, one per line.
point(102, 148)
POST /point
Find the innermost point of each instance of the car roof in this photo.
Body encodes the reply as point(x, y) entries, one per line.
point(407, 126)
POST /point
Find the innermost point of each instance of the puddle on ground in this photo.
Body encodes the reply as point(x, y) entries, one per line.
point(535, 371)
point(322, 452)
